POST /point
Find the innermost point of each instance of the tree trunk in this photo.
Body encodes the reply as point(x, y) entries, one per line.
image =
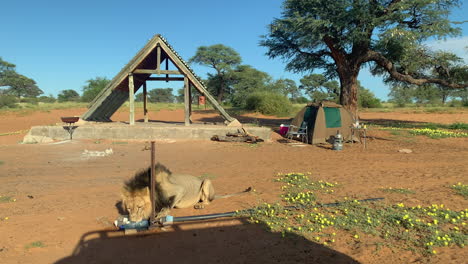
point(349, 90)
point(220, 93)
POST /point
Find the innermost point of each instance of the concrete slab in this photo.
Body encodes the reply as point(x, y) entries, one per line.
point(143, 131)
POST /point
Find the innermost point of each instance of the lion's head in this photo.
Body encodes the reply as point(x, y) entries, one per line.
point(137, 203)
point(136, 195)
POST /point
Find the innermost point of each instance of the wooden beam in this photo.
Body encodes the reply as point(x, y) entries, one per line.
point(141, 79)
point(187, 101)
point(145, 102)
point(165, 79)
point(131, 96)
point(146, 71)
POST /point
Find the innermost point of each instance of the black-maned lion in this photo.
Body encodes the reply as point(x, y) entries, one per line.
point(172, 191)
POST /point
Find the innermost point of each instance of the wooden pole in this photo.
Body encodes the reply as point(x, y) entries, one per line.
point(145, 102)
point(187, 101)
point(152, 190)
point(158, 58)
point(131, 91)
point(190, 100)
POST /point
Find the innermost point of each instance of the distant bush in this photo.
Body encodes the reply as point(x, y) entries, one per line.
point(46, 99)
point(29, 100)
point(268, 103)
point(300, 100)
point(459, 126)
point(367, 99)
point(68, 96)
point(8, 101)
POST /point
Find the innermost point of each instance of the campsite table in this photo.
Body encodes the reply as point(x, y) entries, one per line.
point(360, 131)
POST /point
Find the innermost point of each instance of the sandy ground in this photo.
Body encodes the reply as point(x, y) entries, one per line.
point(67, 201)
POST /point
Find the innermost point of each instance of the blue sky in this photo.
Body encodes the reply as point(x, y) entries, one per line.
point(61, 44)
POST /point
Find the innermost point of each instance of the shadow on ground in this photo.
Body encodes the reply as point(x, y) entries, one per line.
point(244, 243)
point(392, 122)
point(266, 122)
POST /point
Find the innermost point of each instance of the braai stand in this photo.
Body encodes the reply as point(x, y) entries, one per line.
point(70, 127)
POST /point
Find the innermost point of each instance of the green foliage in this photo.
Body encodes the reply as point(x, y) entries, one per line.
point(158, 95)
point(5, 199)
point(401, 95)
point(397, 190)
point(18, 85)
point(342, 36)
point(29, 100)
point(180, 96)
point(461, 189)
point(300, 100)
point(427, 64)
point(319, 89)
point(286, 87)
point(35, 244)
point(431, 130)
point(268, 103)
point(222, 59)
point(219, 57)
point(47, 99)
point(437, 133)
point(93, 87)
point(8, 101)
point(68, 96)
point(403, 125)
point(367, 99)
point(245, 81)
point(458, 125)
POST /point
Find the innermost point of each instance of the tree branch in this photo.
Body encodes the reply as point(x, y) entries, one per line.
point(388, 8)
point(337, 54)
point(385, 63)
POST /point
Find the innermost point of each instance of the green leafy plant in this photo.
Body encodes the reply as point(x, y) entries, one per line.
point(397, 190)
point(35, 244)
point(437, 133)
point(461, 189)
point(208, 176)
point(6, 199)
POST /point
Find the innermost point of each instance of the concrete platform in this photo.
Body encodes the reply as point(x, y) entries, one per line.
point(139, 131)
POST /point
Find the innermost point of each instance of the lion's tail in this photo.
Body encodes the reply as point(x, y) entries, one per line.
point(233, 194)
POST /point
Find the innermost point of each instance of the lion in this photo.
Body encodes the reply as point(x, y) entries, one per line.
point(171, 191)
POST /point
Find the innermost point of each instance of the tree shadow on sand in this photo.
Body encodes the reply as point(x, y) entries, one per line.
point(392, 122)
point(245, 243)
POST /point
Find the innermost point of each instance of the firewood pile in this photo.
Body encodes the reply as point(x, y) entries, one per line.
point(240, 136)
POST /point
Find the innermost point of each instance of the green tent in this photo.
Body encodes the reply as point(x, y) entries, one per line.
point(324, 120)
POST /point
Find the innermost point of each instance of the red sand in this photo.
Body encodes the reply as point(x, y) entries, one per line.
point(62, 197)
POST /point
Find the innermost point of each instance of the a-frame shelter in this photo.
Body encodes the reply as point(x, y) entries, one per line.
point(152, 59)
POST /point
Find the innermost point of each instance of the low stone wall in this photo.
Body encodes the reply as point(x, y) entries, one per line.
point(39, 134)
